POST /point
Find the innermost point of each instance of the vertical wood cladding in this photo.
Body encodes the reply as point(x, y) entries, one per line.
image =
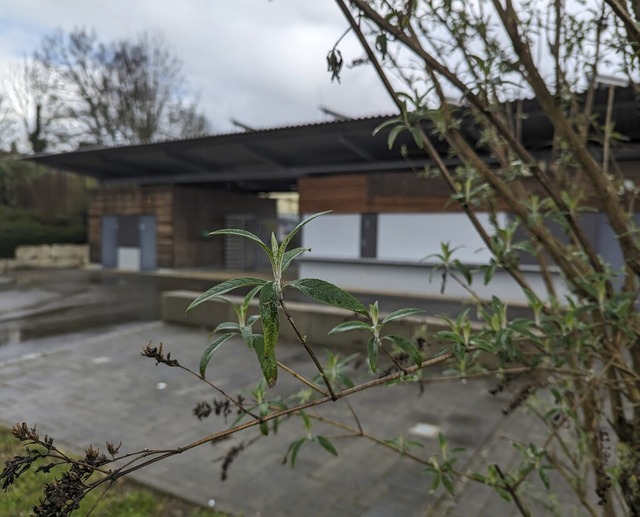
point(374, 193)
point(183, 215)
point(156, 201)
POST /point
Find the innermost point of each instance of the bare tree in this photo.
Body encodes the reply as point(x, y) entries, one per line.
point(6, 120)
point(120, 92)
point(36, 105)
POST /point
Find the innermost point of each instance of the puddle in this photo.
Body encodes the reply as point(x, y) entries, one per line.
point(44, 304)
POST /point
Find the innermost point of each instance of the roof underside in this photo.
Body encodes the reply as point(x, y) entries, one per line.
point(273, 160)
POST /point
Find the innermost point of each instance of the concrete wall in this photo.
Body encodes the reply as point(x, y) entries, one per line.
point(413, 279)
point(49, 256)
point(403, 262)
point(314, 320)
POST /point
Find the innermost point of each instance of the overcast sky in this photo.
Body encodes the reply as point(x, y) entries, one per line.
point(258, 61)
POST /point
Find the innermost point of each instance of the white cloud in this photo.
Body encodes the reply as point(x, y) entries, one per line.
point(262, 62)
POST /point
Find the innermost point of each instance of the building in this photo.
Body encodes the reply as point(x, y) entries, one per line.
point(157, 200)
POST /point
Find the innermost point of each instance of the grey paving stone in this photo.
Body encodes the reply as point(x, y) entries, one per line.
point(73, 393)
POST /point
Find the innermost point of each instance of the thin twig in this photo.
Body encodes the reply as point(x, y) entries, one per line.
point(394, 360)
point(512, 492)
point(355, 416)
point(219, 390)
point(253, 423)
point(301, 378)
point(303, 341)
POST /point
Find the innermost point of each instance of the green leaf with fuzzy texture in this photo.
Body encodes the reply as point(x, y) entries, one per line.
point(274, 245)
point(401, 313)
point(257, 343)
point(292, 233)
point(217, 290)
point(209, 351)
point(350, 325)
point(372, 353)
point(328, 293)
point(290, 255)
point(271, 330)
point(247, 235)
point(247, 299)
point(407, 346)
point(227, 325)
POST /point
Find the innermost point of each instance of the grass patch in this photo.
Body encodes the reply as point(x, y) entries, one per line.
point(124, 499)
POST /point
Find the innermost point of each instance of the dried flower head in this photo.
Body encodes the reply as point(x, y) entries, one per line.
point(157, 354)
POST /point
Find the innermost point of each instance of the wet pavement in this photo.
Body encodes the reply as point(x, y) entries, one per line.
point(90, 384)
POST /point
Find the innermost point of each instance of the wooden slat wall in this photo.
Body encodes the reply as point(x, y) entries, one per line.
point(374, 193)
point(338, 193)
point(199, 210)
point(182, 215)
point(156, 201)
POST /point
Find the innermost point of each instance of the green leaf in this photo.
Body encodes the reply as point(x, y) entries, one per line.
point(249, 296)
point(209, 351)
point(326, 444)
point(271, 329)
point(328, 293)
point(372, 352)
point(247, 235)
point(485, 345)
point(350, 325)
point(447, 483)
point(386, 124)
point(257, 343)
point(227, 325)
point(294, 448)
point(248, 336)
point(290, 255)
point(476, 476)
point(307, 421)
point(407, 346)
point(292, 233)
point(544, 478)
point(223, 288)
point(393, 135)
point(252, 319)
point(345, 380)
point(401, 313)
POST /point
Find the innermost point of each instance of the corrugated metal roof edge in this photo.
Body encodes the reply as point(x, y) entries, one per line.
point(97, 147)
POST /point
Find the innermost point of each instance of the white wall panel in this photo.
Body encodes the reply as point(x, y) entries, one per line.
point(333, 236)
point(413, 237)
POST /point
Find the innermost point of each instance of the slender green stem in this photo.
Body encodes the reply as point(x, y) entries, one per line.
point(304, 381)
point(523, 511)
point(303, 341)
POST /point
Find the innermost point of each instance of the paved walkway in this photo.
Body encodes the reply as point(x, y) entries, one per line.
point(93, 386)
point(95, 389)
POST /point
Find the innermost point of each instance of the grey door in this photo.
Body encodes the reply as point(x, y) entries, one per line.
point(109, 241)
point(148, 255)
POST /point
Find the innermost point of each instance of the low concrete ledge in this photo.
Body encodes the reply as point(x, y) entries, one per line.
point(314, 320)
point(49, 256)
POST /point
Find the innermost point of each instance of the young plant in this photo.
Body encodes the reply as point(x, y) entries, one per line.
point(376, 340)
point(271, 301)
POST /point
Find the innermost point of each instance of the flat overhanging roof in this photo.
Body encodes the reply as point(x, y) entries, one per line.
point(274, 159)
